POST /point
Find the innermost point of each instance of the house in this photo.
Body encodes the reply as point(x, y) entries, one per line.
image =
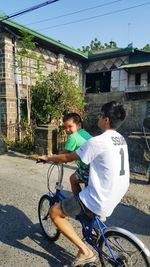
point(110, 74)
point(123, 75)
point(15, 83)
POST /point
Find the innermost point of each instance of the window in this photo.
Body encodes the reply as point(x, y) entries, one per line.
point(98, 82)
point(137, 78)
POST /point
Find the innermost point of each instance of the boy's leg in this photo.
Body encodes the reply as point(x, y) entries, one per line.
point(59, 218)
point(75, 184)
point(80, 176)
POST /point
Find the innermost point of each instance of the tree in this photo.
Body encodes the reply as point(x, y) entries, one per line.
point(146, 48)
point(111, 44)
point(95, 46)
point(55, 95)
point(29, 64)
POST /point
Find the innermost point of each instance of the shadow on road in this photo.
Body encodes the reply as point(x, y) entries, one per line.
point(131, 219)
point(15, 226)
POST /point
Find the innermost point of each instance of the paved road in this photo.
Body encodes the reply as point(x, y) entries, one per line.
point(22, 182)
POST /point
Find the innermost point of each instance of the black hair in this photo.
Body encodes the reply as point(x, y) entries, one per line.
point(115, 112)
point(74, 116)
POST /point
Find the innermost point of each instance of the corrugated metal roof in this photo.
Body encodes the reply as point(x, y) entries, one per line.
point(135, 65)
point(110, 53)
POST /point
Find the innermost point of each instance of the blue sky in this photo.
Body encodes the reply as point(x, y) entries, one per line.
point(124, 27)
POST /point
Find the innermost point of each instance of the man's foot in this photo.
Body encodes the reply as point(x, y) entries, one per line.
point(81, 260)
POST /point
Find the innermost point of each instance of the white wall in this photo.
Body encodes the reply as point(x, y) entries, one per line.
point(119, 80)
point(143, 79)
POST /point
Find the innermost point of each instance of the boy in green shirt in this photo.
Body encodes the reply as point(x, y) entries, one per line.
point(76, 138)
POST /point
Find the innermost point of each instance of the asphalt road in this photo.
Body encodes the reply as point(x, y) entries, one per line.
point(22, 183)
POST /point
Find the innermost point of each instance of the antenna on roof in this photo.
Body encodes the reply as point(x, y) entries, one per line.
point(129, 24)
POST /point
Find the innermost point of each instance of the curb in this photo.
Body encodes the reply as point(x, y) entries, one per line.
point(20, 155)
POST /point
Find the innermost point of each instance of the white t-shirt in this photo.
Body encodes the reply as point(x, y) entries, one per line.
point(107, 155)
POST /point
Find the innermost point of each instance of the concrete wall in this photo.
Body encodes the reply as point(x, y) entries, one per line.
point(136, 110)
point(7, 84)
point(94, 104)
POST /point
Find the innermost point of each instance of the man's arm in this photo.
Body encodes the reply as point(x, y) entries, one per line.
point(64, 151)
point(61, 157)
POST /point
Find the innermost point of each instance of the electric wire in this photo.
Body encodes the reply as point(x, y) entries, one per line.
point(93, 17)
point(76, 12)
point(28, 10)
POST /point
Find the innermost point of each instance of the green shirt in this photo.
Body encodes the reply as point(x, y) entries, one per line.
point(76, 140)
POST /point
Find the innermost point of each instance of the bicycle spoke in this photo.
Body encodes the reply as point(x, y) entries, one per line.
point(125, 252)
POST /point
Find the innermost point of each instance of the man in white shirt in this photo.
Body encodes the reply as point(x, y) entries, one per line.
point(107, 155)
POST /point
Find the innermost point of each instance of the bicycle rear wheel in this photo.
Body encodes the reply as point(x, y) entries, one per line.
point(48, 227)
point(127, 252)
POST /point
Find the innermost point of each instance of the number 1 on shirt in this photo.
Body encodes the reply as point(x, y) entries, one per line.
point(122, 170)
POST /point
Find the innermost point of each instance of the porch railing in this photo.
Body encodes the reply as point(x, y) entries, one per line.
point(137, 88)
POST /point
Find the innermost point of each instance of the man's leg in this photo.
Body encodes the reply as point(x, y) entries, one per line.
point(65, 227)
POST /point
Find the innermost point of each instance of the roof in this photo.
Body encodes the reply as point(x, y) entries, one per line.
point(109, 53)
point(48, 40)
point(135, 55)
point(135, 65)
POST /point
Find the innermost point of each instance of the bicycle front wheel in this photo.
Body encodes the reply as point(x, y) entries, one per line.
point(48, 227)
point(126, 251)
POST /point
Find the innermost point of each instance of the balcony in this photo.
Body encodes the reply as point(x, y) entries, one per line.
point(137, 88)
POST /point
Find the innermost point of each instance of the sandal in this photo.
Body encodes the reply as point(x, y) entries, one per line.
point(77, 261)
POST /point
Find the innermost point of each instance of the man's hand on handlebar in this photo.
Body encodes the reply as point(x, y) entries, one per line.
point(45, 159)
point(40, 158)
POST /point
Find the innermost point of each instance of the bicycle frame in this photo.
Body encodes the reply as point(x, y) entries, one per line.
point(87, 225)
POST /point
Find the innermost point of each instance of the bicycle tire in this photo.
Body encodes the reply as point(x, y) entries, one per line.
point(121, 245)
point(49, 229)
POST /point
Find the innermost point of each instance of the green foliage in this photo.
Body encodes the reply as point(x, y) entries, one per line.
point(27, 41)
point(55, 95)
point(29, 65)
point(96, 45)
point(146, 48)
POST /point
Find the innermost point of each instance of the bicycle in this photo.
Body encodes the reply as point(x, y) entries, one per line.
point(115, 246)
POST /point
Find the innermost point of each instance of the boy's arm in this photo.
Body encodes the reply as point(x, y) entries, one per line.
point(68, 157)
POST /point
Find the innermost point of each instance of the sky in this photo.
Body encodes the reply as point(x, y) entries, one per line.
point(77, 22)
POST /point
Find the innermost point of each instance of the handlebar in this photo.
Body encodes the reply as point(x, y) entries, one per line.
point(50, 171)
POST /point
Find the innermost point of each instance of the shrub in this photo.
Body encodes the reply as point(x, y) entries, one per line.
point(54, 96)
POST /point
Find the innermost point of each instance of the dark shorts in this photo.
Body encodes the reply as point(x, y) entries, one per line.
point(82, 175)
point(74, 206)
